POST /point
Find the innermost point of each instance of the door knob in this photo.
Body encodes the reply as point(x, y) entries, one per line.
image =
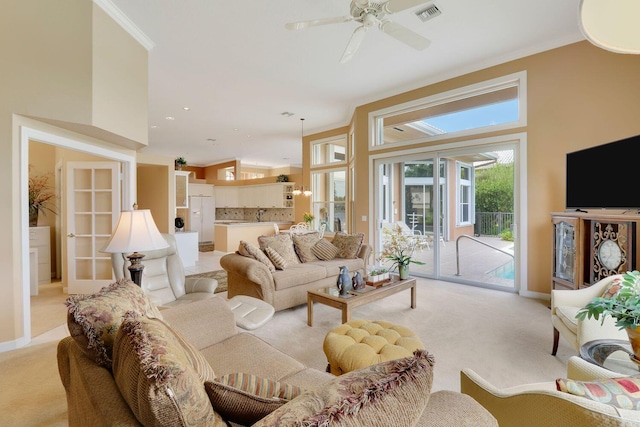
point(71, 235)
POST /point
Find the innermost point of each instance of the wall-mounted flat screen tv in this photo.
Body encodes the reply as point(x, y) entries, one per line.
point(605, 176)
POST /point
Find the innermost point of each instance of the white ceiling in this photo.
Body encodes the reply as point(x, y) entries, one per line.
point(235, 66)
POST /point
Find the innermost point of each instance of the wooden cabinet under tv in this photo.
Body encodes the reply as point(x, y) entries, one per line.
point(590, 246)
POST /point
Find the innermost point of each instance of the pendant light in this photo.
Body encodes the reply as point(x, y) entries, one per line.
point(302, 190)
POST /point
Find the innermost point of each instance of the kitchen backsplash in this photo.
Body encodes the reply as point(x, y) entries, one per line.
point(251, 214)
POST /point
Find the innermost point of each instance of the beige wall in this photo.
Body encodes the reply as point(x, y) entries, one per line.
point(153, 194)
point(578, 96)
point(52, 53)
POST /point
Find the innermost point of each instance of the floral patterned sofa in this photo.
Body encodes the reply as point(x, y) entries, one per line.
point(129, 364)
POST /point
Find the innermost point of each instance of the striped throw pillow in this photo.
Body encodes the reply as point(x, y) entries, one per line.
point(325, 250)
point(245, 398)
point(278, 261)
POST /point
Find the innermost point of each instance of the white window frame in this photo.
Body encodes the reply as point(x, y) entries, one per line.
point(342, 139)
point(315, 202)
point(376, 118)
point(467, 184)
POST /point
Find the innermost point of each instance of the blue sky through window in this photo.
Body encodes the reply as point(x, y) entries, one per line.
point(486, 115)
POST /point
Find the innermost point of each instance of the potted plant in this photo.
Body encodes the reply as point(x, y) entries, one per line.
point(40, 195)
point(180, 162)
point(399, 248)
point(282, 178)
point(308, 218)
point(623, 305)
point(377, 275)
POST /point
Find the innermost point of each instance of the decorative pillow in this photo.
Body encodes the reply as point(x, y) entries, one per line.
point(324, 250)
point(246, 399)
point(94, 319)
point(281, 243)
point(248, 250)
point(612, 288)
point(276, 259)
point(621, 392)
point(160, 378)
point(303, 244)
point(348, 244)
point(392, 393)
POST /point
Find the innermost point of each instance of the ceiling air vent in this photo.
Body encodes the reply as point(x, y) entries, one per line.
point(429, 12)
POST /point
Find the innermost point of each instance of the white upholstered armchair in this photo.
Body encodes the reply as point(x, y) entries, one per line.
point(565, 304)
point(163, 276)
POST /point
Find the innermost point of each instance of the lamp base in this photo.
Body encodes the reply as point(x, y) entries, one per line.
point(136, 267)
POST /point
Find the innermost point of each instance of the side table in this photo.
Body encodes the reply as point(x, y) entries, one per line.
point(598, 352)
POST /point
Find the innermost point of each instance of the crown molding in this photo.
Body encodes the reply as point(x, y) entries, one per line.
point(127, 24)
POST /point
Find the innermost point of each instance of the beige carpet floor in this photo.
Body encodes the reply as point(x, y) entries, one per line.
point(219, 275)
point(47, 308)
point(505, 338)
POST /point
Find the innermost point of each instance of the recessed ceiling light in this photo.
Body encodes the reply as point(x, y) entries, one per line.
point(169, 118)
point(286, 113)
point(186, 108)
point(211, 139)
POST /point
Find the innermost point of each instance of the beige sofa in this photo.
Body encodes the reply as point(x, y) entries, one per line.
point(286, 288)
point(94, 398)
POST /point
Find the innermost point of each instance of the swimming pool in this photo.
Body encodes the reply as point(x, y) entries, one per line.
point(505, 271)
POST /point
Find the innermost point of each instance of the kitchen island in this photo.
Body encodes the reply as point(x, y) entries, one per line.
point(228, 233)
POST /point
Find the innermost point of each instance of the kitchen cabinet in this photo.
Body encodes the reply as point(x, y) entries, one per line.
point(196, 189)
point(278, 195)
point(181, 180)
point(227, 197)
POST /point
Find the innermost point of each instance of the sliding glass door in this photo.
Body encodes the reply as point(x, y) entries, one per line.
point(459, 207)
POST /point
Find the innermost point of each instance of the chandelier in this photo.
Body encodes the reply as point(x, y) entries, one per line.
point(301, 190)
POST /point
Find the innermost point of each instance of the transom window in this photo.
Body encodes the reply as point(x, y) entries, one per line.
point(329, 151)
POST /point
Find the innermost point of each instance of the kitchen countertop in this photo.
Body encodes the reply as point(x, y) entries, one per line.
point(240, 223)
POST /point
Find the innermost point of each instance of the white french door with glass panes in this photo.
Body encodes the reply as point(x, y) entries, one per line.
point(92, 210)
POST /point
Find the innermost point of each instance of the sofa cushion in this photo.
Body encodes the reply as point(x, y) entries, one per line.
point(246, 398)
point(348, 244)
point(160, 376)
point(298, 275)
point(281, 243)
point(94, 319)
point(324, 250)
point(392, 393)
point(279, 262)
point(332, 268)
point(623, 392)
point(248, 250)
point(567, 314)
point(303, 244)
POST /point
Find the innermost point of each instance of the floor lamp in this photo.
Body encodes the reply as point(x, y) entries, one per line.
point(135, 232)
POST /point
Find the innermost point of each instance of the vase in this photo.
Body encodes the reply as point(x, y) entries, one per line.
point(634, 338)
point(33, 217)
point(403, 271)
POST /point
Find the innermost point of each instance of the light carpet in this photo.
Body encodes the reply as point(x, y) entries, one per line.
point(507, 339)
point(219, 275)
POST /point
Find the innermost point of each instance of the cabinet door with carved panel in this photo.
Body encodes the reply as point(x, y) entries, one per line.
point(567, 272)
point(611, 248)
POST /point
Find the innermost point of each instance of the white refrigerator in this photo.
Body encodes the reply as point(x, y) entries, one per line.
point(202, 217)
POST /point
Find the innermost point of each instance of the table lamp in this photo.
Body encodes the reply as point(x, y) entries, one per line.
point(135, 232)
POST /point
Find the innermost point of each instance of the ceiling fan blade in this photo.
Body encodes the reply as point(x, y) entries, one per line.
point(394, 6)
point(404, 35)
point(316, 22)
point(354, 43)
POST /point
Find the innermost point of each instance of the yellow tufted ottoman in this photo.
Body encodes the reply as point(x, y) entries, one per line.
point(360, 343)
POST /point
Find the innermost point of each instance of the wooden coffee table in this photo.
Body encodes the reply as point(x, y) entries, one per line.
point(330, 296)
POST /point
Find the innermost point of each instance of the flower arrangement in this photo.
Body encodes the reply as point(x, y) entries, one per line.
point(40, 197)
point(398, 247)
point(308, 217)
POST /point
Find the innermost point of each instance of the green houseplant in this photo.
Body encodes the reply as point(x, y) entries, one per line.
point(399, 248)
point(621, 302)
point(180, 162)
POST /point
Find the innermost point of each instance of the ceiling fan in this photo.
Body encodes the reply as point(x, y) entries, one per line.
point(370, 13)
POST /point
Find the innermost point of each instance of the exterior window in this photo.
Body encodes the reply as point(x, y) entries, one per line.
point(329, 151)
point(493, 105)
point(465, 194)
point(329, 200)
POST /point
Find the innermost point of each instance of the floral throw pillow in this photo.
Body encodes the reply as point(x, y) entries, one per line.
point(348, 244)
point(281, 243)
point(248, 250)
point(621, 392)
point(392, 393)
point(303, 243)
point(94, 319)
point(246, 398)
point(612, 288)
point(160, 378)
